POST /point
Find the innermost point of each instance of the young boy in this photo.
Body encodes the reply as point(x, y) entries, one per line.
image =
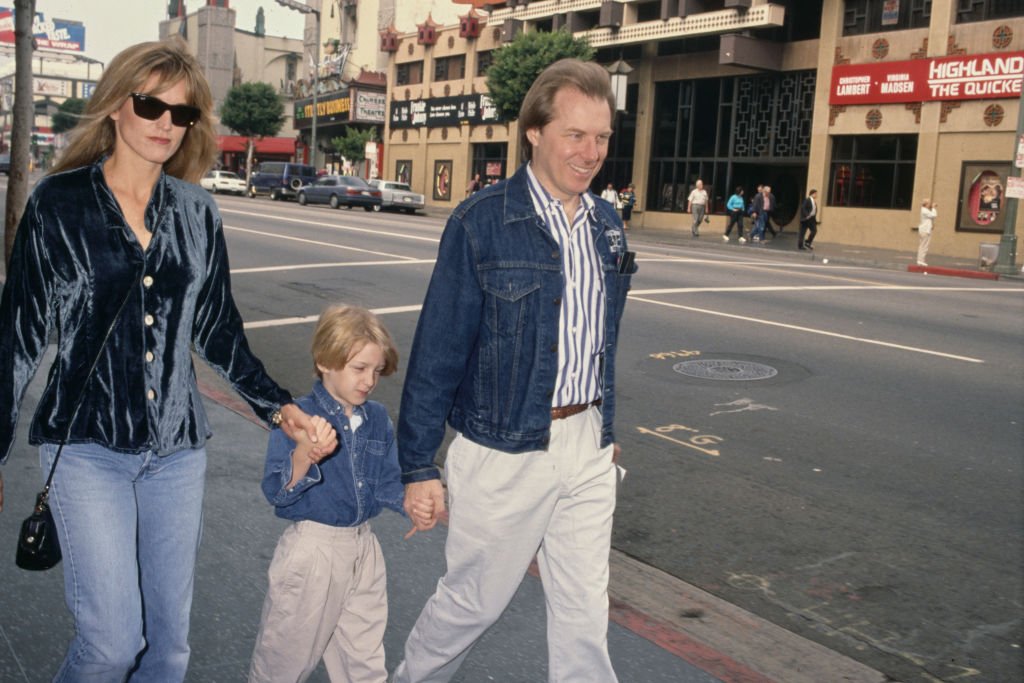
point(328, 594)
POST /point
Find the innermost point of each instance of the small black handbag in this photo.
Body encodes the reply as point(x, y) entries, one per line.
point(38, 545)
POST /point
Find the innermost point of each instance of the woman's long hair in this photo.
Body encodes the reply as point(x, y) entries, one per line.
point(169, 59)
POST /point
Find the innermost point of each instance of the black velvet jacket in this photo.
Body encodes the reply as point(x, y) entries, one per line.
point(74, 261)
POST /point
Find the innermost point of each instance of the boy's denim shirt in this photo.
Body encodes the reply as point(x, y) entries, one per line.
point(351, 485)
point(485, 353)
point(74, 261)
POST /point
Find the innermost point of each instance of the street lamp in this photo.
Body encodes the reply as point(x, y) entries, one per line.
point(306, 9)
point(619, 73)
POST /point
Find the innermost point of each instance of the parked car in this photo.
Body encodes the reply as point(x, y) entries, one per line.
point(396, 195)
point(340, 190)
point(280, 179)
point(5, 164)
point(222, 181)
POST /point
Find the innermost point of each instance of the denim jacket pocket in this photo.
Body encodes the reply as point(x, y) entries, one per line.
point(510, 314)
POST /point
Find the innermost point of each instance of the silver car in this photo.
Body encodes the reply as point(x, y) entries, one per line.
point(396, 195)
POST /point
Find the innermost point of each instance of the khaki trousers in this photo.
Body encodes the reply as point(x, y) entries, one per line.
point(327, 599)
point(505, 508)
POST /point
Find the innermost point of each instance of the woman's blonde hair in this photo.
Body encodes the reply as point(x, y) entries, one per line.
point(170, 61)
point(343, 331)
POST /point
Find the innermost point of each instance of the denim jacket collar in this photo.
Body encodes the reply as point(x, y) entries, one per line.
point(330, 405)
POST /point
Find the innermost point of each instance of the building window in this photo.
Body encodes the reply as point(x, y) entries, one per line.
point(874, 16)
point(410, 73)
point(983, 10)
point(450, 68)
point(484, 59)
point(744, 131)
point(873, 171)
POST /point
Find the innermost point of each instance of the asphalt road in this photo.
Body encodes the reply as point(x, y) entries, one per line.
point(835, 449)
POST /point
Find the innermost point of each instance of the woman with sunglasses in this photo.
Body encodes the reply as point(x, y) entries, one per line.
point(119, 219)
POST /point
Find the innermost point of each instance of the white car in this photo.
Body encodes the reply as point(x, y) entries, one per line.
point(223, 181)
point(396, 195)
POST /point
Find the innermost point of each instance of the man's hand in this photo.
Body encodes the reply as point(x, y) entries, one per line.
point(294, 420)
point(424, 503)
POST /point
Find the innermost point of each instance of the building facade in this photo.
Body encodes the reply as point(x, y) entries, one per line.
point(877, 104)
point(230, 56)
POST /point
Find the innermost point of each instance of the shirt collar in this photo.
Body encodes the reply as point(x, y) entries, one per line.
point(543, 201)
point(330, 405)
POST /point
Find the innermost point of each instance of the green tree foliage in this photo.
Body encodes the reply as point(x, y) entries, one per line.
point(517, 65)
point(352, 145)
point(252, 110)
point(67, 115)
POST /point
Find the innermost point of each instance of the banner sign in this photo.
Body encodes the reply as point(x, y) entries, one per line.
point(963, 77)
point(443, 111)
point(369, 106)
point(332, 108)
point(52, 34)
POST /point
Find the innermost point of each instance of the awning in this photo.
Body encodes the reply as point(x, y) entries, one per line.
point(237, 143)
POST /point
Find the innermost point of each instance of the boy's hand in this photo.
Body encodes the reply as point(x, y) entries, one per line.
point(294, 421)
point(424, 503)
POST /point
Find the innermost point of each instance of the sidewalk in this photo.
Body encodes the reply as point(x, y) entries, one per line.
point(662, 630)
point(785, 246)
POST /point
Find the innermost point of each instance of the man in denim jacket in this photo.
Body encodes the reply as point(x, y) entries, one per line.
point(515, 349)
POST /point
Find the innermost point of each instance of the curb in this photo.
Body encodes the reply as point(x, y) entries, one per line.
point(953, 272)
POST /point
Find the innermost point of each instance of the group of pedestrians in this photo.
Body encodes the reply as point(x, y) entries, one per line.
point(122, 259)
point(623, 200)
point(760, 211)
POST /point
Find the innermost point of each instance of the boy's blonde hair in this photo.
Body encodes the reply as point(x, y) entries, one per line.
point(343, 331)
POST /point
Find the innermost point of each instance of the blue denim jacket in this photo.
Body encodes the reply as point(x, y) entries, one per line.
point(74, 261)
point(350, 486)
point(485, 353)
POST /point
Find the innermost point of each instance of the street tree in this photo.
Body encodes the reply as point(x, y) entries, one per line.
point(253, 110)
point(352, 145)
point(516, 66)
point(21, 124)
point(68, 114)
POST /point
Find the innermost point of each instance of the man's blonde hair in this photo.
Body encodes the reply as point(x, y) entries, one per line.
point(170, 61)
point(343, 331)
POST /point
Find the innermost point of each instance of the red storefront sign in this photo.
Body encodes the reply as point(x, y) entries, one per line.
point(964, 77)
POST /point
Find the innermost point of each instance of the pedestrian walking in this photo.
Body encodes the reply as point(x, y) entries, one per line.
point(327, 597)
point(808, 221)
point(696, 204)
point(610, 195)
point(474, 184)
point(736, 206)
point(531, 472)
point(121, 257)
point(627, 200)
point(929, 212)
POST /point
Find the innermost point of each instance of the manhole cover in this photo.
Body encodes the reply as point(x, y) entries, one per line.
point(725, 369)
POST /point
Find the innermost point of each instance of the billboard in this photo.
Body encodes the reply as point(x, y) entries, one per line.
point(962, 77)
point(49, 34)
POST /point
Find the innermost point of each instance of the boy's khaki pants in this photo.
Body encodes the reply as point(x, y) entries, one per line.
point(327, 599)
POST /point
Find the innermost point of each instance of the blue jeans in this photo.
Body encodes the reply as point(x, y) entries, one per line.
point(757, 231)
point(129, 528)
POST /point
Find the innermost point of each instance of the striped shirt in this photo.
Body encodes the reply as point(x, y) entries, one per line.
point(581, 316)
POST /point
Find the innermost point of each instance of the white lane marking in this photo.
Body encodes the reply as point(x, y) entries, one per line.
point(808, 288)
point(810, 330)
point(309, 319)
point(335, 226)
point(339, 264)
point(332, 245)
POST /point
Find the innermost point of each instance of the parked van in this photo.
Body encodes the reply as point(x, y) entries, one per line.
point(280, 179)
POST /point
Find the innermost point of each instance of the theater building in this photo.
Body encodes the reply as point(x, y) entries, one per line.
point(877, 104)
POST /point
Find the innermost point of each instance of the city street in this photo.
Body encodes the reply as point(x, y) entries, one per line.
point(834, 448)
point(851, 470)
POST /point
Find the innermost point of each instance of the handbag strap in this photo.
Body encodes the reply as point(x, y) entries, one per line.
point(81, 395)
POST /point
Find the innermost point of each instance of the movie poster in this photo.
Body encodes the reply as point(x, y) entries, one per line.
point(982, 196)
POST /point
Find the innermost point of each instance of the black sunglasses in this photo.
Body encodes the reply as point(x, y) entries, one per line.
point(151, 108)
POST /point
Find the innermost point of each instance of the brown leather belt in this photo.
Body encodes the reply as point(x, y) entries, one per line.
point(563, 412)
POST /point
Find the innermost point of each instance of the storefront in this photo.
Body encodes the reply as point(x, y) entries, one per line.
point(233, 149)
